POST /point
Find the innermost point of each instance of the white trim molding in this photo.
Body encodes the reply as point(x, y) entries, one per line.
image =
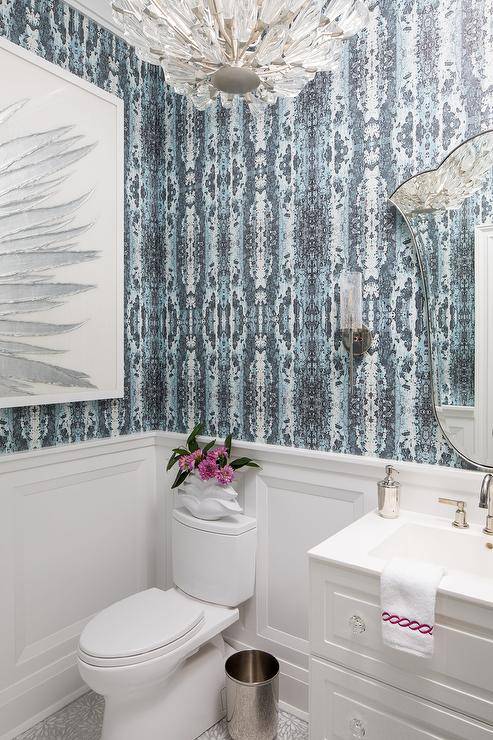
point(84, 524)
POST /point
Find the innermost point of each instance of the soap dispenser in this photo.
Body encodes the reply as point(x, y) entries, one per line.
point(389, 495)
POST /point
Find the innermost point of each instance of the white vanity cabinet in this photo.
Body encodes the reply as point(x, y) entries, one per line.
point(345, 705)
point(359, 688)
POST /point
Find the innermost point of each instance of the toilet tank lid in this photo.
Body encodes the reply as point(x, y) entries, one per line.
point(234, 524)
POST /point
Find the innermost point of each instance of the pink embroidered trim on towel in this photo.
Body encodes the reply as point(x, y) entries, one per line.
point(424, 629)
point(408, 592)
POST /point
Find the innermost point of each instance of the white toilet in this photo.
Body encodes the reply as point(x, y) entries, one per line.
point(158, 656)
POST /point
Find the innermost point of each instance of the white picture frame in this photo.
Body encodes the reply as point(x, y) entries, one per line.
point(61, 235)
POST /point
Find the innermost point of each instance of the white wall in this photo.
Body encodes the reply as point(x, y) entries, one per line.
point(78, 531)
point(86, 524)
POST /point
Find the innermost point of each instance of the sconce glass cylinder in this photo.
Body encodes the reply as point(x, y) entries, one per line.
point(351, 301)
point(356, 337)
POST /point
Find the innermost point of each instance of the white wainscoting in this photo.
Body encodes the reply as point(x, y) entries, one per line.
point(300, 498)
point(86, 524)
point(78, 531)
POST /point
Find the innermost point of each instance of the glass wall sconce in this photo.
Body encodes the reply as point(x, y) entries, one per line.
point(356, 337)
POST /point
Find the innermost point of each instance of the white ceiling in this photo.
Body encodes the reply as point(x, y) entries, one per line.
point(99, 10)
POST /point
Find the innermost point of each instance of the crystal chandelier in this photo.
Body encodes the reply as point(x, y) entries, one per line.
point(258, 49)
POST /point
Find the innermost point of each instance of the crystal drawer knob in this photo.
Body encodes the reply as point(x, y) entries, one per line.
point(357, 625)
point(357, 728)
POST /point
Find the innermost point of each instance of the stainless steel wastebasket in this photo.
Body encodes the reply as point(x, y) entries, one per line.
point(252, 695)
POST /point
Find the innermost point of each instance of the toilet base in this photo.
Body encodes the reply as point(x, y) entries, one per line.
point(181, 707)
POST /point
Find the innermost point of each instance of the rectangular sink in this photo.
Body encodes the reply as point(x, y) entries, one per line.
point(456, 551)
point(370, 542)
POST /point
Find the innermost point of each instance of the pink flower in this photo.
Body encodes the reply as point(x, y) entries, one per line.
point(225, 475)
point(195, 457)
point(183, 462)
point(189, 462)
point(218, 452)
point(207, 469)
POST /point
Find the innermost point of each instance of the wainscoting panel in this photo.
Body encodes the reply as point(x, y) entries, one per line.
point(300, 498)
point(79, 534)
point(296, 507)
point(292, 518)
point(84, 525)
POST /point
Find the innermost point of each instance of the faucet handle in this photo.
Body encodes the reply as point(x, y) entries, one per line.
point(460, 520)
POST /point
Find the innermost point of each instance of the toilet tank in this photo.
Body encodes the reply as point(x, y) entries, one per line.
point(214, 560)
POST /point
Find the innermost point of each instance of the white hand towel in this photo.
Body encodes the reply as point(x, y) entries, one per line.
point(408, 590)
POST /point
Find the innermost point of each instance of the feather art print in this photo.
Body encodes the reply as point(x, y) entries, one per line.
point(38, 235)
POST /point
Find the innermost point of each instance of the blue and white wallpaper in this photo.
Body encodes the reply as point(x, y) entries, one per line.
point(263, 216)
point(58, 33)
point(237, 231)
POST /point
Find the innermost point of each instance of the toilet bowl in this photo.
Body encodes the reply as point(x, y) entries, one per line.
point(158, 656)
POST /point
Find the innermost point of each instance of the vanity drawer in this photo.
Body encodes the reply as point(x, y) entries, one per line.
point(345, 628)
point(345, 706)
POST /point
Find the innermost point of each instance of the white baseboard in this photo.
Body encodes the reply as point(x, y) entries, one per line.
point(294, 711)
point(46, 712)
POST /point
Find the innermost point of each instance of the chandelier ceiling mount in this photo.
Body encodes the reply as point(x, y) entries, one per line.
point(235, 80)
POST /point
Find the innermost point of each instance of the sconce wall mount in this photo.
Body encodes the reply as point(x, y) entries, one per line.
point(360, 339)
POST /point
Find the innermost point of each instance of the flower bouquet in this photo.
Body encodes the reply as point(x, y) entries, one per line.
point(205, 475)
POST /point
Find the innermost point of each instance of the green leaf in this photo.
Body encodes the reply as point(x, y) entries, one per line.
point(195, 431)
point(172, 461)
point(228, 442)
point(242, 462)
point(191, 441)
point(180, 451)
point(180, 478)
point(209, 446)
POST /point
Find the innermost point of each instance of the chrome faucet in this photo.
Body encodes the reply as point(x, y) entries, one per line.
point(486, 502)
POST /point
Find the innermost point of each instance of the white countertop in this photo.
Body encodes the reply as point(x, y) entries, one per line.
point(353, 548)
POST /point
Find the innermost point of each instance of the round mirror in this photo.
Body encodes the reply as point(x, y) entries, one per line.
point(449, 212)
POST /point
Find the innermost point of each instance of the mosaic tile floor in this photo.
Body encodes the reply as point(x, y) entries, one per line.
point(82, 720)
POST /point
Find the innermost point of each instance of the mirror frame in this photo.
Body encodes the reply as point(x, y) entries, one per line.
point(424, 285)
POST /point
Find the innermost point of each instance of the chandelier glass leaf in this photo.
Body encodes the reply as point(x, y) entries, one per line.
point(258, 49)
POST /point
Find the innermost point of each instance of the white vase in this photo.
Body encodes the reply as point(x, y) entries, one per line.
point(207, 499)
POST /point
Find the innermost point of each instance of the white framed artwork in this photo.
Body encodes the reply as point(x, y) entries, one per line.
point(61, 235)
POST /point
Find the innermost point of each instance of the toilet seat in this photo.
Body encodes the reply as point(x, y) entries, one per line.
point(140, 628)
